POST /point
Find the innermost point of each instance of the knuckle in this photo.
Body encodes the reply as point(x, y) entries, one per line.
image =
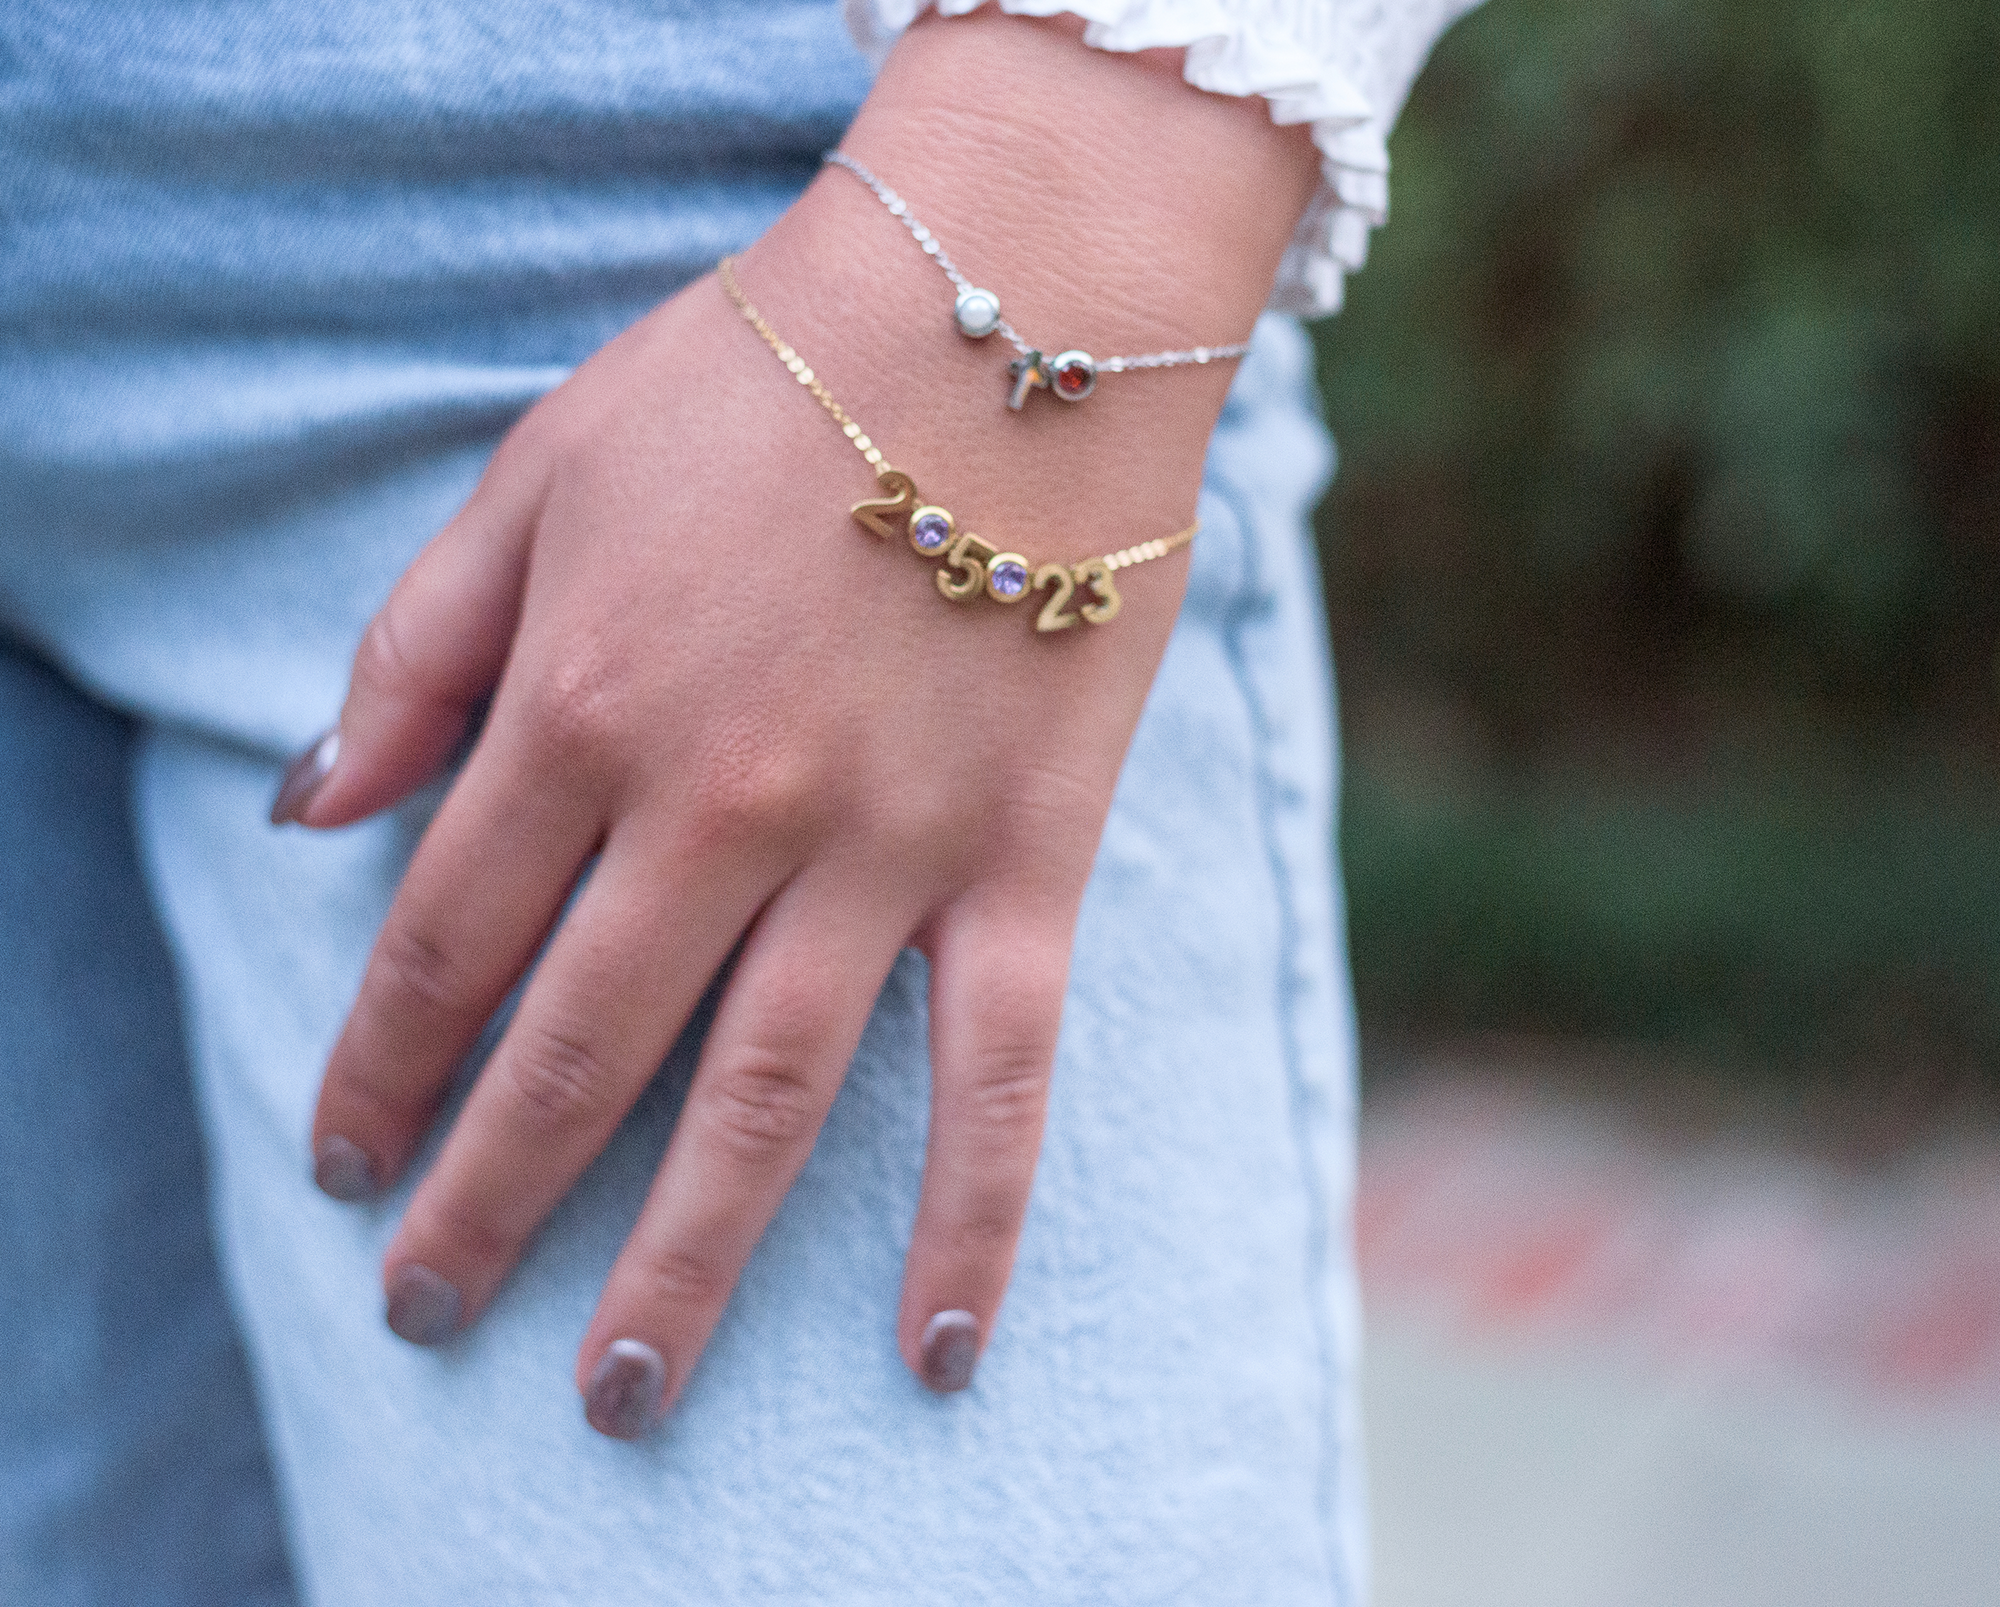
point(677, 1277)
point(751, 791)
point(1006, 1086)
point(912, 826)
point(576, 715)
point(415, 967)
point(1054, 794)
point(535, 434)
point(986, 1224)
point(1010, 1033)
point(763, 1106)
point(1044, 822)
point(569, 438)
point(560, 1082)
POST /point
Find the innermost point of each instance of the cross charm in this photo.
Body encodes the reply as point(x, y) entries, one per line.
point(1028, 370)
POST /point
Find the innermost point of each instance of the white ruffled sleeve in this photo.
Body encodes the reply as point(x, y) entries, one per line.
point(1343, 66)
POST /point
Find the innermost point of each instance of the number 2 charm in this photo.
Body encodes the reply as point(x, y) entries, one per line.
point(880, 516)
point(1052, 617)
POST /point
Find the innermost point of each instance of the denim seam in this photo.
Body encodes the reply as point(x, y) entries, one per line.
point(1240, 617)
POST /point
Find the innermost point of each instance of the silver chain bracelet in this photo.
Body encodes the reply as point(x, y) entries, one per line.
point(1071, 375)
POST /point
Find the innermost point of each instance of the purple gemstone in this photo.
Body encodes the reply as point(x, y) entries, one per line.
point(931, 531)
point(1010, 579)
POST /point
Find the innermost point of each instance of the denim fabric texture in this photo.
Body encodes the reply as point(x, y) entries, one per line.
point(132, 1463)
point(276, 279)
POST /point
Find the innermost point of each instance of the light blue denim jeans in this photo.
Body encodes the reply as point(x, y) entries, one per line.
point(277, 278)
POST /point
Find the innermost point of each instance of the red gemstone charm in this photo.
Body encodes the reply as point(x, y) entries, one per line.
point(1075, 375)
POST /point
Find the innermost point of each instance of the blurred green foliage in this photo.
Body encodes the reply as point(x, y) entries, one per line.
point(1664, 559)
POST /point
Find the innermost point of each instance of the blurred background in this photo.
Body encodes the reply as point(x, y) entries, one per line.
point(1663, 567)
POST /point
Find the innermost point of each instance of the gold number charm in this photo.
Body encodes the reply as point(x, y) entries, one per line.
point(1096, 574)
point(968, 557)
point(879, 516)
point(1052, 617)
point(972, 566)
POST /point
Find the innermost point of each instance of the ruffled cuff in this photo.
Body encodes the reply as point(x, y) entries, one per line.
point(1343, 66)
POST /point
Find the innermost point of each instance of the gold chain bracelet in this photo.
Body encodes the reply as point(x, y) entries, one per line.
point(971, 565)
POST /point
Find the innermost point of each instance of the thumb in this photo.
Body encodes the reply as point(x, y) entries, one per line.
point(436, 648)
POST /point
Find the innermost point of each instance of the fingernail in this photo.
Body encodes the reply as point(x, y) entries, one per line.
point(626, 1391)
point(423, 1308)
point(341, 1168)
point(950, 1350)
point(304, 776)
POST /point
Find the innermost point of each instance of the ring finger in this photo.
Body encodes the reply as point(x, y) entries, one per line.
point(788, 1028)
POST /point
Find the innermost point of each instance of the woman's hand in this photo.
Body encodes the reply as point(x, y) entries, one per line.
point(756, 724)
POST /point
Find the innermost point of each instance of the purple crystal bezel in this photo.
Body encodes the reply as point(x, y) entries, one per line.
point(1011, 563)
point(928, 518)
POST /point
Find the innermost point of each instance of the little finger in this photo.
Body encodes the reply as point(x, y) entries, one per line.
point(997, 981)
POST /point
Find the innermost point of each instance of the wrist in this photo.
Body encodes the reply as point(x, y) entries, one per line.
point(1154, 218)
point(1113, 198)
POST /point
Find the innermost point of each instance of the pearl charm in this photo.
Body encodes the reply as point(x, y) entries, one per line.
point(978, 312)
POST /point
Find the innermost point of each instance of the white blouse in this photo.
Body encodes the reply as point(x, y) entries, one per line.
point(1345, 66)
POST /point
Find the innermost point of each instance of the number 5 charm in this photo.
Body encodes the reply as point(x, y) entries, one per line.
point(968, 557)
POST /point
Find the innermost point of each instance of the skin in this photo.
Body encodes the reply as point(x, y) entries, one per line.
point(767, 723)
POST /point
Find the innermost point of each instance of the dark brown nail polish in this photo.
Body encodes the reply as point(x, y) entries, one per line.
point(950, 1350)
point(627, 1390)
point(304, 776)
point(341, 1168)
point(423, 1307)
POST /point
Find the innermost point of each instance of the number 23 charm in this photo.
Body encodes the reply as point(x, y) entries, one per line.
point(1062, 581)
